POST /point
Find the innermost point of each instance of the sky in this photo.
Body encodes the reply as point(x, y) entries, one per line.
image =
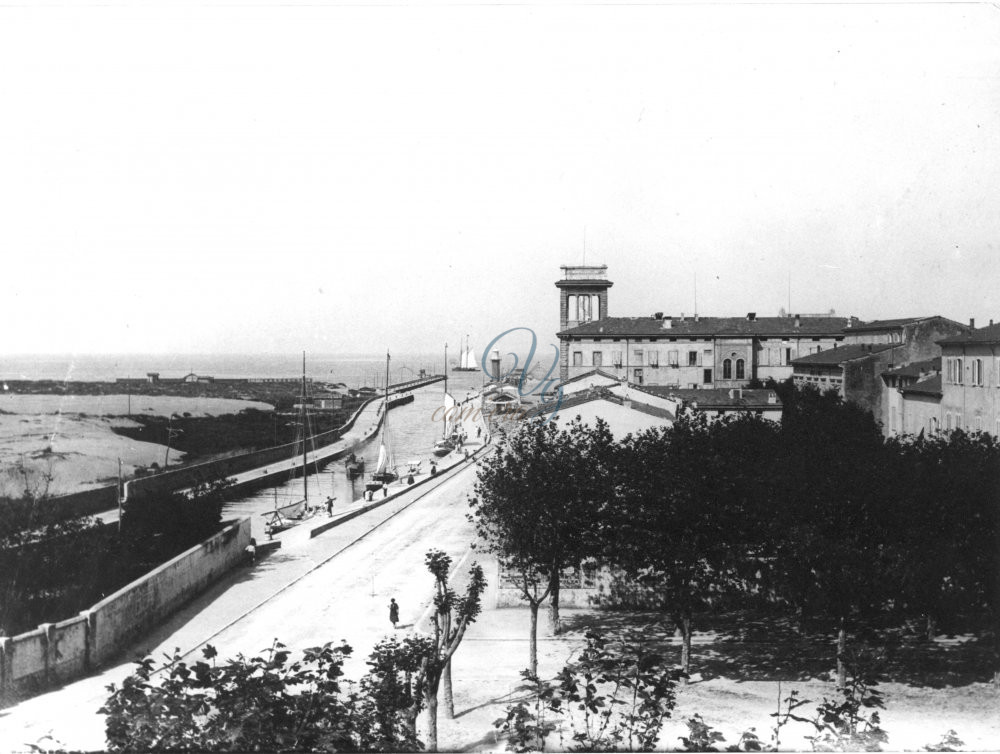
point(264, 177)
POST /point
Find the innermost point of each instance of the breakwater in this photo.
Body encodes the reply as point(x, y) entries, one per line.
point(90, 502)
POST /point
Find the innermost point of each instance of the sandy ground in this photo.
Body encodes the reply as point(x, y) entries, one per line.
point(72, 436)
point(496, 649)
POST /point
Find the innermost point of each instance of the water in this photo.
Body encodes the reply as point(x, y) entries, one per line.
point(354, 370)
point(412, 434)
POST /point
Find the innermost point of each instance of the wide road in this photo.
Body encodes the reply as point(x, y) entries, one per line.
point(336, 586)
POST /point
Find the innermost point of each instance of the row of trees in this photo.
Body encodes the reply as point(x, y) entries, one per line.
point(820, 515)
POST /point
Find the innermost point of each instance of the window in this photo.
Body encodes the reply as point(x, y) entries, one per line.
point(616, 358)
point(979, 424)
point(637, 355)
point(788, 356)
point(947, 421)
point(958, 371)
point(654, 358)
point(707, 377)
point(578, 358)
point(727, 369)
point(932, 425)
point(996, 372)
point(958, 421)
point(637, 376)
point(692, 358)
point(977, 372)
point(672, 358)
point(740, 369)
point(598, 358)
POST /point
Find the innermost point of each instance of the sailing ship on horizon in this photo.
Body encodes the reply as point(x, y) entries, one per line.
point(467, 358)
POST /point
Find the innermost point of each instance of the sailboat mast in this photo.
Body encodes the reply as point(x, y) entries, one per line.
point(444, 424)
point(302, 418)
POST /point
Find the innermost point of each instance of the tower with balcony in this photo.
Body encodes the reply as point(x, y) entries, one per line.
point(583, 297)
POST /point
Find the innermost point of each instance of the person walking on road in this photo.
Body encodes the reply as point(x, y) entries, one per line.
point(393, 612)
point(385, 490)
point(329, 506)
point(251, 550)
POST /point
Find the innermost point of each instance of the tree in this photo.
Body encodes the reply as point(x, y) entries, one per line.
point(684, 528)
point(614, 695)
point(834, 552)
point(392, 694)
point(258, 704)
point(539, 506)
point(452, 616)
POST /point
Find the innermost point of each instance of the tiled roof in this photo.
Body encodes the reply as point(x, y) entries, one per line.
point(589, 375)
point(930, 386)
point(834, 356)
point(989, 334)
point(598, 393)
point(715, 398)
point(644, 327)
point(888, 324)
point(916, 369)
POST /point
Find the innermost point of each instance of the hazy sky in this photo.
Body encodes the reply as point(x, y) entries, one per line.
point(346, 178)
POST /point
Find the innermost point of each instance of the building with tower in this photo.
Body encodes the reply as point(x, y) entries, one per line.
point(679, 352)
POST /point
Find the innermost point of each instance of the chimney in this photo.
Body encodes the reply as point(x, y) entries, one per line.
point(751, 316)
point(798, 321)
point(991, 323)
point(666, 324)
point(972, 323)
point(658, 315)
point(682, 316)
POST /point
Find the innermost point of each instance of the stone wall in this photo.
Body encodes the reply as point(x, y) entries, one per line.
point(58, 652)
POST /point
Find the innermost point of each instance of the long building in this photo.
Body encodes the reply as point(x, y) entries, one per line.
point(679, 351)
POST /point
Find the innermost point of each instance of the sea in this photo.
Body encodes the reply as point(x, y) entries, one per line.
point(413, 428)
point(353, 370)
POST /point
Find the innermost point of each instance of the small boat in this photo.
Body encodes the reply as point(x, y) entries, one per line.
point(282, 516)
point(354, 466)
point(385, 467)
point(444, 446)
point(467, 359)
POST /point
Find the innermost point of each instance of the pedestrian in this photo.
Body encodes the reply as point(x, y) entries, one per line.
point(409, 479)
point(329, 506)
point(393, 612)
point(466, 451)
point(434, 469)
point(479, 432)
point(385, 490)
point(251, 551)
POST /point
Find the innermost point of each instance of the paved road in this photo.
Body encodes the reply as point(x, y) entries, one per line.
point(336, 586)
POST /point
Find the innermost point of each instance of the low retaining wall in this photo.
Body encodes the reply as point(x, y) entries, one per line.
point(85, 503)
point(58, 652)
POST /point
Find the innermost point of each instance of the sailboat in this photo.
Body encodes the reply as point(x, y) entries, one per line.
point(279, 517)
point(467, 359)
point(385, 467)
point(444, 446)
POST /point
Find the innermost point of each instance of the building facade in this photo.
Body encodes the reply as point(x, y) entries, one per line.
point(970, 381)
point(911, 398)
point(679, 352)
